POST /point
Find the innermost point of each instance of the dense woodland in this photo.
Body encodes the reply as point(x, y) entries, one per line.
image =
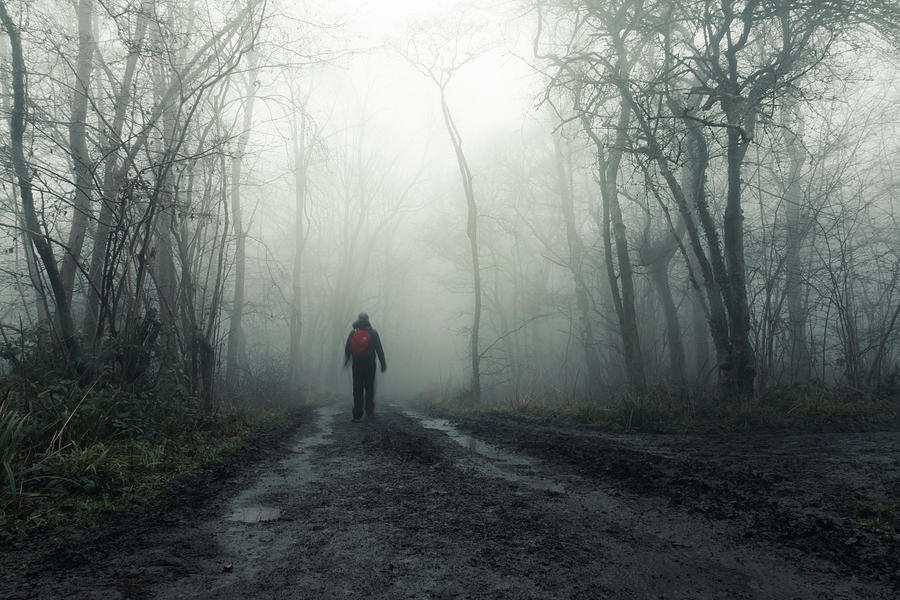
point(700, 200)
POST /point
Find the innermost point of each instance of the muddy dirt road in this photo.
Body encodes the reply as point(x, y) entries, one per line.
point(408, 506)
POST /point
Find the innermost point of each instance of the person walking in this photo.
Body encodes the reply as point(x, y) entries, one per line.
point(363, 345)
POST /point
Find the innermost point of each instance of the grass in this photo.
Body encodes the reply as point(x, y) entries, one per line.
point(114, 430)
point(877, 518)
point(109, 460)
point(806, 408)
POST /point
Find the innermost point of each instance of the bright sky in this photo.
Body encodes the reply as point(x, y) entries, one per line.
point(492, 93)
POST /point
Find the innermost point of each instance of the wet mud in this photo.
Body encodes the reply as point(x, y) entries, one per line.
point(830, 495)
point(416, 506)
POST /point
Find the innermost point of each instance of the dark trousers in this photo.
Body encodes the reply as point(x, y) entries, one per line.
point(363, 386)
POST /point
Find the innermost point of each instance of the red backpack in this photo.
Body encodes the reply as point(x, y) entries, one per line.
point(359, 342)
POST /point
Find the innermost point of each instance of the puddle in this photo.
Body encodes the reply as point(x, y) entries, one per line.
point(294, 469)
point(292, 474)
point(503, 465)
point(470, 443)
point(255, 514)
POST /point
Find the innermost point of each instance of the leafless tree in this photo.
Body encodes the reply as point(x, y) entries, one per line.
point(439, 64)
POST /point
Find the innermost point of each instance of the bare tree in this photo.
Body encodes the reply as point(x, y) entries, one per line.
point(99, 281)
point(236, 340)
point(440, 70)
point(577, 263)
point(24, 175)
point(303, 138)
point(82, 164)
point(731, 58)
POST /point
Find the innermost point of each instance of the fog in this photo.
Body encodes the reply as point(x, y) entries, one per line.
point(644, 217)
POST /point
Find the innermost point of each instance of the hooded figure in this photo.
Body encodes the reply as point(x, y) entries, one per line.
point(363, 345)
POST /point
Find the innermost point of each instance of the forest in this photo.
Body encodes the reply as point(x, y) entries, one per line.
point(545, 206)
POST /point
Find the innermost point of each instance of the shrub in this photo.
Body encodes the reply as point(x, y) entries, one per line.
point(92, 438)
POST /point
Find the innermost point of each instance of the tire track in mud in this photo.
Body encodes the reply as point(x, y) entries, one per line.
point(256, 546)
point(490, 460)
point(409, 507)
point(663, 550)
point(806, 492)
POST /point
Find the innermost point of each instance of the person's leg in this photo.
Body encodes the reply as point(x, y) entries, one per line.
point(370, 388)
point(359, 377)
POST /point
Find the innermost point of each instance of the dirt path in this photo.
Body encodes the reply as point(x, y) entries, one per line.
point(411, 507)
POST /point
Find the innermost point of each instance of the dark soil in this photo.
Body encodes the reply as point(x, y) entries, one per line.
point(409, 507)
point(831, 495)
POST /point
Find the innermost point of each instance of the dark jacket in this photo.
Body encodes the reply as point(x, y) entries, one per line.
point(374, 345)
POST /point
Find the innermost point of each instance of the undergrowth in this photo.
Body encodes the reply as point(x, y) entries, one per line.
point(800, 408)
point(70, 463)
point(71, 448)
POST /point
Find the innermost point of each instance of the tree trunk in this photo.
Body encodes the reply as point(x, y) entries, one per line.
point(78, 146)
point(167, 280)
point(742, 371)
point(659, 275)
point(630, 338)
point(709, 266)
point(210, 327)
point(112, 180)
point(301, 165)
point(34, 276)
point(717, 282)
point(162, 265)
point(236, 340)
point(614, 227)
point(703, 364)
point(576, 266)
point(472, 233)
point(23, 175)
point(799, 356)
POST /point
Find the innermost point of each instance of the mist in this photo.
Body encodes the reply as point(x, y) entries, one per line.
point(449, 299)
point(521, 218)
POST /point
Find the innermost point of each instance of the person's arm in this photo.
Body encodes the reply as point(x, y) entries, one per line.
point(347, 349)
point(380, 351)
